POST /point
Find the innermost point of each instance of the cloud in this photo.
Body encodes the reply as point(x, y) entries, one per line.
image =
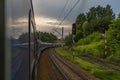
point(47, 24)
point(17, 27)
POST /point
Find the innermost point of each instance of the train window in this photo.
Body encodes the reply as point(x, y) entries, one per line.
point(17, 39)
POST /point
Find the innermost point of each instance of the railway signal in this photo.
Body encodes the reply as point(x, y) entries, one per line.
point(74, 29)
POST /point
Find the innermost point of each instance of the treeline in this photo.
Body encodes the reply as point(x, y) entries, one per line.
point(46, 37)
point(90, 27)
point(43, 36)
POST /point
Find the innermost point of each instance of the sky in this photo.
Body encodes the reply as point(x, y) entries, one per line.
point(49, 13)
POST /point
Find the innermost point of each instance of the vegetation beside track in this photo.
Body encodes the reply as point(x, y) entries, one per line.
point(96, 69)
point(91, 28)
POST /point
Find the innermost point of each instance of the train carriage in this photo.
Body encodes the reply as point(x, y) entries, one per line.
point(20, 40)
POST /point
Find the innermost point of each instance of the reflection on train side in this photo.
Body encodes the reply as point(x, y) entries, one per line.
point(19, 24)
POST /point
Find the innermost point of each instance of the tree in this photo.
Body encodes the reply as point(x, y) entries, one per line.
point(113, 38)
point(100, 17)
point(95, 19)
point(81, 18)
point(78, 36)
point(24, 38)
point(91, 14)
point(68, 40)
point(85, 28)
point(46, 37)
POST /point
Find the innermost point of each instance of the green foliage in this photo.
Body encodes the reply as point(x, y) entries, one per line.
point(100, 17)
point(94, 20)
point(46, 37)
point(92, 44)
point(65, 53)
point(80, 20)
point(95, 49)
point(106, 74)
point(113, 37)
point(85, 28)
point(89, 39)
point(68, 40)
point(78, 36)
point(94, 37)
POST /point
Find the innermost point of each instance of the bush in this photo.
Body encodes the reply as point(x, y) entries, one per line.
point(113, 38)
point(95, 49)
point(92, 44)
point(94, 37)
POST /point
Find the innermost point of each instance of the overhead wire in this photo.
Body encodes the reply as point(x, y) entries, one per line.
point(63, 10)
point(55, 29)
point(69, 12)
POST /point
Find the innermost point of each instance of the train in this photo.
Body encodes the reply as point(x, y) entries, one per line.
point(19, 47)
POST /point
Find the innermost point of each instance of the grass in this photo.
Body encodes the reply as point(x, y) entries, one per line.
point(93, 44)
point(95, 69)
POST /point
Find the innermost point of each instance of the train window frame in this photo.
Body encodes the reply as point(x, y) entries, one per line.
point(2, 40)
point(32, 27)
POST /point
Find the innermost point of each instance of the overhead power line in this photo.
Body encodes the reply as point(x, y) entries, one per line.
point(63, 9)
point(69, 12)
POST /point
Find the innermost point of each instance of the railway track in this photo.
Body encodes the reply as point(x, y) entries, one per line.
point(62, 75)
point(68, 71)
point(48, 70)
point(52, 67)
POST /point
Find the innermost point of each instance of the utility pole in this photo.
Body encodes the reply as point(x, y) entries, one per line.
point(61, 34)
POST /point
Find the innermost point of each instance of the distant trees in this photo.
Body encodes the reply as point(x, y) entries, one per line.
point(24, 38)
point(46, 37)
point(43, 36)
